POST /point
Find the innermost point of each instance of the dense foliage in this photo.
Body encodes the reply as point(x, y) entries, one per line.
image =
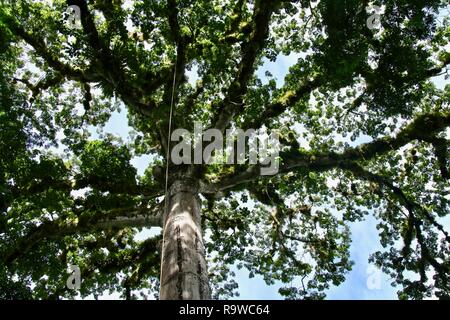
point(363, 127)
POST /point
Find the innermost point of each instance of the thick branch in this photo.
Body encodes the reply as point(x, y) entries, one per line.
point(424, 127)
point(39, 46)
point(233, 101)
point(288, 100)
point(119, 218)
point(105, 67)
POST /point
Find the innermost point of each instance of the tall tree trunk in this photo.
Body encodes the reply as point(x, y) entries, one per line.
point(183, 266)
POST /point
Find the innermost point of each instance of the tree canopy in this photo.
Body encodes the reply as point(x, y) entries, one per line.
point(363, 131)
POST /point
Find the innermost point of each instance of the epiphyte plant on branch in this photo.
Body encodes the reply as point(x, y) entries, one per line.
point(363, 132)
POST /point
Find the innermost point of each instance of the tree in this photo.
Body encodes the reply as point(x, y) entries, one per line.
point(84, 205)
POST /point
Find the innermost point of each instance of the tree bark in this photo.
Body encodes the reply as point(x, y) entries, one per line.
point(183, 266)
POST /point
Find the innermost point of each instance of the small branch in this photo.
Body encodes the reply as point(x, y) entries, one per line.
point(409, 204)
point(436, 71)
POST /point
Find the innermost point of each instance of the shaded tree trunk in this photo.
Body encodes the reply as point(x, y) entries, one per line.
point(183, 266)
